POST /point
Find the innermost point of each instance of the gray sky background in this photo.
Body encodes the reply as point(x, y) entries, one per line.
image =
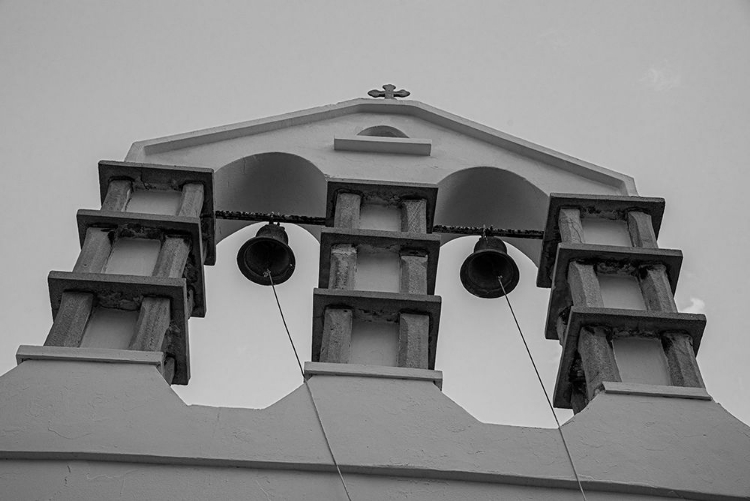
point(653, 89)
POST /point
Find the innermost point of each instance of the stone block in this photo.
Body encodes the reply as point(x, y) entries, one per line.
point(657, 289)
point(618, 322)
point(142, 176)
point(128, 292)
point(343, 266)
point(414, 273)
point(95, 250)
point(69, 325)
point(683, 367)
point(414, 331)
point(605, 259)
point(346, 213)
point(599, 206)
point(336, 336)
point(641, 228)
point(160, 227)
point(414, 216)
point(380, 192)
point(375, 306)
point(402, 243)
point(117, 194)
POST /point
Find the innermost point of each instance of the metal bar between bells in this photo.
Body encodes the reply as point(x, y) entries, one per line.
point(321, 221)
point(270, 216)
point(488, 231)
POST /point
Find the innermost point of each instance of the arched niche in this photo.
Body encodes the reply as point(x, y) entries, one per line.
point(269, 182)
point(492, 196)
point(382, 131)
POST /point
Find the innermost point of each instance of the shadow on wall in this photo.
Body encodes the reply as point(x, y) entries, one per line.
point(493, 197)
point(269, 182)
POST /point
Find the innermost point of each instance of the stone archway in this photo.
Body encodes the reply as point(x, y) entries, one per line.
point(492, 196)
point(269, 182)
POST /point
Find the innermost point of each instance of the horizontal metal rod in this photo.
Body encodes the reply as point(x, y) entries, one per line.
point(270, 217)
point(488, 231)
point(321, 221)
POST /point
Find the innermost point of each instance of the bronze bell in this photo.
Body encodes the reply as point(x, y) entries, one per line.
point(268, 250)
point(481, 269)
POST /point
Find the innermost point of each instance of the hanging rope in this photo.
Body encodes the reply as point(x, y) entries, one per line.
point(546, 395)
point(307, 384)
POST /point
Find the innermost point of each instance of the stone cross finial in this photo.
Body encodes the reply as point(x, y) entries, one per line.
point(389, 92)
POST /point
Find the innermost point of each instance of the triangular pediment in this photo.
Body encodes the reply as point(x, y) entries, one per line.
point(309, 132)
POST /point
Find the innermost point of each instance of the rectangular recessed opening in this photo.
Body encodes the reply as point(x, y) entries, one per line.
point(605, 232)
point(374, 343)
point(165, 202)
point(641, 360)
point(377, 270)
point(621, 291)
point(374, 216)
point(109, 328)
point(133, 256)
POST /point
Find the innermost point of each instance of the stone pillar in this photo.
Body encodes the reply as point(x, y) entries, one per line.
point(571, 229)
point(413, 273)
point(343, 267)
point(641, 230)
point(413, 340)
point(346, 213)
point(70, 322)
point(597, 359)
point(337, 335)
point(391, 323)
point(165, 298)
point(414, 216)
point(578, 316)
point(118, 195)
point(683, 367)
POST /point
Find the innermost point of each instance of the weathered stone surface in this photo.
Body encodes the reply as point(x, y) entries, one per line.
point(153, 322)
point(571, 229)
point(191, 202)
point(413, 273)
point(414, 332)
point(95, 252)
point(346, 214)
point(584, 285)
point(118, 195)
point(172, 258)
point(657, 291)
point(343, 267)
point(641, 230)
point(597, 359)
point(414, 216)
point(683, 367)
point(70, 321)
point(337, 335)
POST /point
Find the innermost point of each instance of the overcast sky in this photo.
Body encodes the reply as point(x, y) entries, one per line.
point(656, 90)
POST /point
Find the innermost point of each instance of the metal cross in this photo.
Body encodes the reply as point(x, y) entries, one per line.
point(389, 92)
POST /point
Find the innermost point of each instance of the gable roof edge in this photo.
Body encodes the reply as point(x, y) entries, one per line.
point(141, 149)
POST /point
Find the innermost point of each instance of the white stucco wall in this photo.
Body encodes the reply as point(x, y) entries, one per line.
point(280, 164)
point(112, 413)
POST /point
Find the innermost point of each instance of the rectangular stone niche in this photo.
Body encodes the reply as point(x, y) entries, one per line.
point(133, 256)
point(352, 307)
point(165, 202)
point(641, 360)
point(374, 343)
point(109, 328)
point(377, 270)
point(605, 232)
point(373, 216)
point(621, 291)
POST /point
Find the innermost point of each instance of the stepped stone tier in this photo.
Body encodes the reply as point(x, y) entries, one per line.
point(91, 415)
